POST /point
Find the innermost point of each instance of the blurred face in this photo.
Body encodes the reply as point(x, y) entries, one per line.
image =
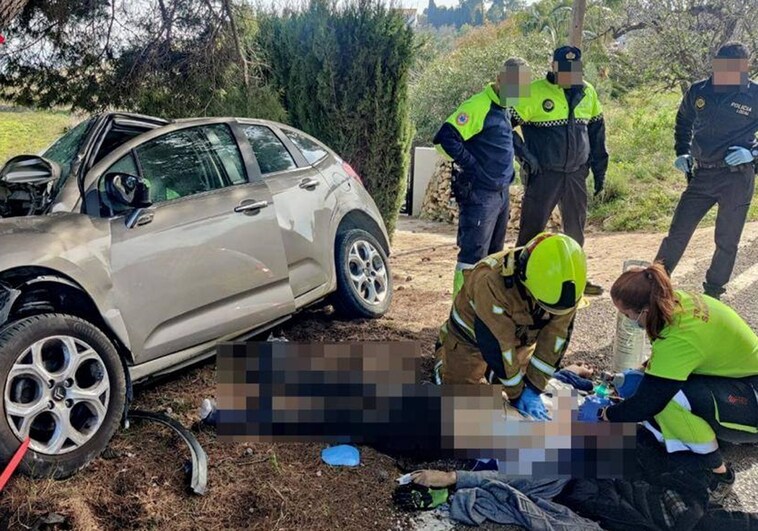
point(513, 82)
point(568, 73)
point(730, 72)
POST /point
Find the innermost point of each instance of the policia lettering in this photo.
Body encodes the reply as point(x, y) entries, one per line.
point(512, 320)
point(479, 139)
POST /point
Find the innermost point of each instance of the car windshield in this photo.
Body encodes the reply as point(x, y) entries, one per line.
point(64, 150)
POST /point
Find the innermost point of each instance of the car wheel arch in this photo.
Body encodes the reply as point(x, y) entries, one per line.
point(357, 219)
point(36, 290)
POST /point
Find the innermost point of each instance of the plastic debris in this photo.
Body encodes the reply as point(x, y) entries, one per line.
point(342, 455)
point(208, 412)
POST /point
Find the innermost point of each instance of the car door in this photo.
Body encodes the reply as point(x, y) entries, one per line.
point(304, 202)
point(206, 259)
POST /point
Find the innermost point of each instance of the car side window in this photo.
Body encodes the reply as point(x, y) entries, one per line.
point(190, 161)
point(125, 164)
point(271, 154)
point(310, 149)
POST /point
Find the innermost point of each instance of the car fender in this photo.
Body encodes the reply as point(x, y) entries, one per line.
point(74, 248)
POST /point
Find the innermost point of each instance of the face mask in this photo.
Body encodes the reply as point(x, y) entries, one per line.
point(637, 321)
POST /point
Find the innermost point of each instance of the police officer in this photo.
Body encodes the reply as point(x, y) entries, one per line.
point(478, 137)
point(512, 320)
point(564, 136)
point(715, 147)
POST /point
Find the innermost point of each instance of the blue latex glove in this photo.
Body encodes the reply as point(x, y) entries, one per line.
point(592, 404)
point(684, 163)
point(530, 403)
point(574, 380)
point(632, 379)
point(737, 155)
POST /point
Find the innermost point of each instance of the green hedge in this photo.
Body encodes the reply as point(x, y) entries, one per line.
point(342, 72)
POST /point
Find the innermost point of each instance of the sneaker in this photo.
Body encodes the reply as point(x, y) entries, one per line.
point(593, 289)
point(713, 291)
point(721, 485)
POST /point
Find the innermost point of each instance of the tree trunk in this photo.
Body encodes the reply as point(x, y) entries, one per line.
point(8, 11)
point(577, 22)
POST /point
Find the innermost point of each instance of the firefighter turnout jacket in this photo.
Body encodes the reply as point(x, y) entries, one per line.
point(712, 119)
point(479, 138)
point(563, 129)
point(495, 315)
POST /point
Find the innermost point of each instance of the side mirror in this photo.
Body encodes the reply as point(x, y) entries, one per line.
point(125, 190)
point(30, 169)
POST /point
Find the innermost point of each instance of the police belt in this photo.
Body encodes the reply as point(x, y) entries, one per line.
point(711, 165)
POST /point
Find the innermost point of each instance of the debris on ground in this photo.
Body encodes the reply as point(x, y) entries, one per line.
point(208, 412)
point(273, 339)
point(341, 455)
point(198, 470)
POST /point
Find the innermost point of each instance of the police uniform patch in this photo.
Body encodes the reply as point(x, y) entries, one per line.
point(548, 105)
point(570, 56)
point(700, 103)
point(462, 119)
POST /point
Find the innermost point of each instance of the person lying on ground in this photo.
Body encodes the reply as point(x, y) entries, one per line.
point(701, 381)
point(511, 322)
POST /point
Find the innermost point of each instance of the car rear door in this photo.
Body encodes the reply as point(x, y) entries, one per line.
point(207, 259)
point(305, 202)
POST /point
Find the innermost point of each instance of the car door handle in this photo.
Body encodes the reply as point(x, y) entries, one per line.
point(309, 183)
point(139, 218)
point(250, 207)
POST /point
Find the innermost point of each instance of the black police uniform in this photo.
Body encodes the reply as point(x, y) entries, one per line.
point(711, 120)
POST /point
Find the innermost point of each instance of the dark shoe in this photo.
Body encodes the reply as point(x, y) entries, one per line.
point(713, 291)
point(592, 289)
point(721, 485)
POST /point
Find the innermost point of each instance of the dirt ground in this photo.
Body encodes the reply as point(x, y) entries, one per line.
point(139, 482)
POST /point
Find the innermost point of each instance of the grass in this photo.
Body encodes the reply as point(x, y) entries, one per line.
point(30, 131)
point(642, 186)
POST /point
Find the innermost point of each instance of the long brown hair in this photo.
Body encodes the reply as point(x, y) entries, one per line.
point(648, 289)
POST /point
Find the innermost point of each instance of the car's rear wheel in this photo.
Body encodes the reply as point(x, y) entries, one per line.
point(364, 281)
point(63, 386)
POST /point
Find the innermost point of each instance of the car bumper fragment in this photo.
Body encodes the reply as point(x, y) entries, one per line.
point(199, 480)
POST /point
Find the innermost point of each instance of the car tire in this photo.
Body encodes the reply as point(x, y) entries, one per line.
point(93, 392)
point(364, 279)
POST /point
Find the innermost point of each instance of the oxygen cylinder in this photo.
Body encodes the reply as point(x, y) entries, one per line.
point(630, 346)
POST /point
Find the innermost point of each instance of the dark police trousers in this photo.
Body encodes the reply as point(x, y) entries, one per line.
point(733, 191)
point(547, 189)
point(482, 222)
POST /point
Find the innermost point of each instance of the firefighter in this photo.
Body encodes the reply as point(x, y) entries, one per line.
point(479, 139)
point(701, 382)
point(512, 320)
point(563, 138)
point(716, 146)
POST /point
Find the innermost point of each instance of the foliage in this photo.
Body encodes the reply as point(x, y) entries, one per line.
point(670, 42)
point(343, 72)
point(166, 57)
point(452, 78)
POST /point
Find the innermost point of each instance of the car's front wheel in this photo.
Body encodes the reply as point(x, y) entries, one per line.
point(63, 386)
point(364, 281)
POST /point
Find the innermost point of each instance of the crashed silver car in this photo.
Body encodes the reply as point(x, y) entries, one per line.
point(133, 245)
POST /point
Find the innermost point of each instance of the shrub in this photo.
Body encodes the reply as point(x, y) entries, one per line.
point(343, 72)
